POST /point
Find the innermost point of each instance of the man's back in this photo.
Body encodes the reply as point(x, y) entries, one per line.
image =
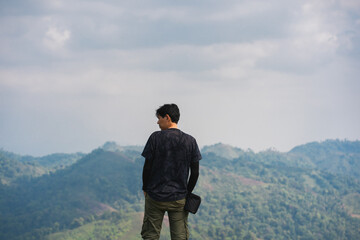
point(171, 152)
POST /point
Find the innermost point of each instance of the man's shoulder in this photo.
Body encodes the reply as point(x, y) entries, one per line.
point(188, 135)
point(169, 133)
point(155, 133)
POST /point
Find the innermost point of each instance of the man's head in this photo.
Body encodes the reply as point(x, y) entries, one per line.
point(168, 115)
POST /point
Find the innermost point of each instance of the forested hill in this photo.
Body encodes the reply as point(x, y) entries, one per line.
point(310, 192)
point(339, 157)
point(101, 181)
point(14, 166)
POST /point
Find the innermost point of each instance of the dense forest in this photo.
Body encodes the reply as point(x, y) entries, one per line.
point(310, 192)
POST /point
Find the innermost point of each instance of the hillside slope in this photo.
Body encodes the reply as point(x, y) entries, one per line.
point(14, 166)
point(335, 156)
point(99, 182)
point(13, 169)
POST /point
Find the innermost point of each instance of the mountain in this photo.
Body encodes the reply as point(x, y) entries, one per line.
point(99, 182)
point(114, 147)
point(54, 161)
point(12, 169)
point(14, 166)
point(246, 195)
point(335, 156)
point(223, 150)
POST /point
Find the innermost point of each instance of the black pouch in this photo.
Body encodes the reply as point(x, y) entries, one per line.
point(192, 203)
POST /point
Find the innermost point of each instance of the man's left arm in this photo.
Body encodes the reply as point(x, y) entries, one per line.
point(194, 175)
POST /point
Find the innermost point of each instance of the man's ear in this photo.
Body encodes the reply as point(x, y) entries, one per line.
point(168, 117)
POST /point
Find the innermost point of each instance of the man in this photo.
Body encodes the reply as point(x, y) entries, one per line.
point(169, 154)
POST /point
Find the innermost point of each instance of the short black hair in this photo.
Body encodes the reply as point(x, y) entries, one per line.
point(171, 109)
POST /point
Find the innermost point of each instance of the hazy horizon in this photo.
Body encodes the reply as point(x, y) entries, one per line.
point(200, 146)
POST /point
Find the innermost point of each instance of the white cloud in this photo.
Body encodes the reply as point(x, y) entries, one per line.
point(55, 38)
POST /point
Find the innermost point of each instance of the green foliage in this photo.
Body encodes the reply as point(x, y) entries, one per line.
point(13, 169)
point(335, 156)
point(223, 150)
point(246, 195)
point(109, 226)
point(352, 203)
point(269, 210)
point(99, 182)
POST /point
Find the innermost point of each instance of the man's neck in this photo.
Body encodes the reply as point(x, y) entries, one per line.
point(173, 125)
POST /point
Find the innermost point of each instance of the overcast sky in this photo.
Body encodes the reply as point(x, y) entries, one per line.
point(254, 74)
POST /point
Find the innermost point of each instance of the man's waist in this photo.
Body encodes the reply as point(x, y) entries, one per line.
point(166, 196)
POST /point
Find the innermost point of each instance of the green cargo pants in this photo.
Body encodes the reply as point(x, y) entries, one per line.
point(153, 218)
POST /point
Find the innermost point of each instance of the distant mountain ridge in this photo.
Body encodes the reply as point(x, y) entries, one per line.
point(223, 150)
point(14, 166)
point(12, 169)
point(335, 156)
point(114, 147)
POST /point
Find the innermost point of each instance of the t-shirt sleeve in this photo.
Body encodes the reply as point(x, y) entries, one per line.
point(148, 152)
point(196, 155)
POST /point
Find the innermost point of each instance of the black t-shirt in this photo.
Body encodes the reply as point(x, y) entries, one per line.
point(171, 152)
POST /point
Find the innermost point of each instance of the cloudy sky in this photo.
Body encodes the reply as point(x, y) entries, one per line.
point(254, 74)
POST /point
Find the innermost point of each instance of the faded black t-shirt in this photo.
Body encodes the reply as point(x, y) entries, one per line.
point(171, 152)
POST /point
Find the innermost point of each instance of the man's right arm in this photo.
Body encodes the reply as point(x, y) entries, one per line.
point(148, 155)
point(146, 173)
